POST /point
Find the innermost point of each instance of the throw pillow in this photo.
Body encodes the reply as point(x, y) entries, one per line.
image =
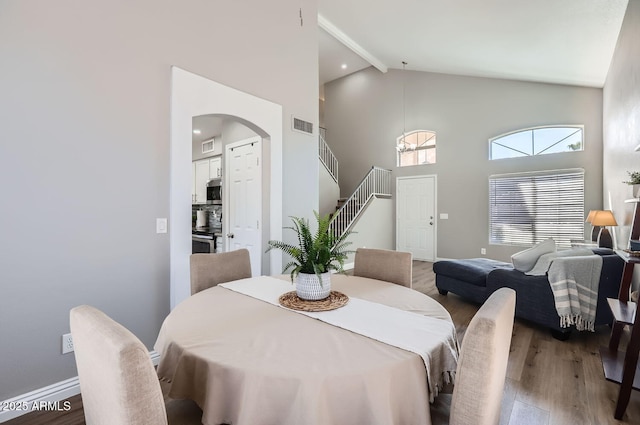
point(544, 262)
point(525, 260)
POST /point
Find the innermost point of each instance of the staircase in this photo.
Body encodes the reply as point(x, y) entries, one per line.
point(377, 183)
point(327, 158)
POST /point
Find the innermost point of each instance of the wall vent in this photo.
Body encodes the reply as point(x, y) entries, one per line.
point(301, 125)
point(208, 146)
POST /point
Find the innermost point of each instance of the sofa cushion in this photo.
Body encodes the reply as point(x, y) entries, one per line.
point(525, 260)
point(473, 270)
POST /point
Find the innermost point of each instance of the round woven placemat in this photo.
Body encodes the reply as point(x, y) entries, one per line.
point(293, 301)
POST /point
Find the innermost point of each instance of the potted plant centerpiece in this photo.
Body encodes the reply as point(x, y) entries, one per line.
point(634, 180)
point(315, 256)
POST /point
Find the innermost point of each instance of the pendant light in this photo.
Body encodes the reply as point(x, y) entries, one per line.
point(402, 146)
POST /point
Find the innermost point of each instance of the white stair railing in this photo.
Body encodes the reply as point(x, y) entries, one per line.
point(376, 183)
point(327, 157)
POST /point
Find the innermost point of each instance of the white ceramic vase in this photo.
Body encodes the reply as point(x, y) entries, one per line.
point(308, 287)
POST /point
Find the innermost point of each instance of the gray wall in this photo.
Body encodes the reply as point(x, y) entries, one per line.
point(84, 152)
point(621, 106)
point(363, 116)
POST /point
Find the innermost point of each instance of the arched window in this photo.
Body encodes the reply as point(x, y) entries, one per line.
point(416, 148)
point(537, 141)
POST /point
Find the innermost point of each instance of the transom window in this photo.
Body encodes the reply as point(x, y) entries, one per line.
point(527, 208)
point(416, 148)
point(537, 141)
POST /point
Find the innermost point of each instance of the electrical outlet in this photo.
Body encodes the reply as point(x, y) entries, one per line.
point(483, 251)
point(67, 343)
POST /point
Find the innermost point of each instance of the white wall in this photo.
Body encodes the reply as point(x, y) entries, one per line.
point(363, 114)
point(622, 126)
point(85, 152)
point(329, 191)
point(374, 229)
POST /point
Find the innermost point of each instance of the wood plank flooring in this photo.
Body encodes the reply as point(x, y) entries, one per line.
point(549, 382)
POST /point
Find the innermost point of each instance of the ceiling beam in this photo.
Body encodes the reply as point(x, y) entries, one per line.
point(350, 43)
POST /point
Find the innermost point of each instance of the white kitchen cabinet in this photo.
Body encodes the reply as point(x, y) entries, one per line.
point(193, 182)
point(215, 167)
point(202, 171)
point(200, 180)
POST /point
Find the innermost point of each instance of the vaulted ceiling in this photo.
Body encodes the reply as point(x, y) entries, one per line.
point(554, 41)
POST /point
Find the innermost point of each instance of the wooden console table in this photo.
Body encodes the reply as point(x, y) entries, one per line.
point(622, 367)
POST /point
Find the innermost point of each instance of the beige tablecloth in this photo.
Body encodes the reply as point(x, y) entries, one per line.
point(246, 362)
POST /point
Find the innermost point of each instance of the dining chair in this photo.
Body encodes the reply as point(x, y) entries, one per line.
point(209, 270)
point(384, 264)
point(482, 365)
point(118, 382)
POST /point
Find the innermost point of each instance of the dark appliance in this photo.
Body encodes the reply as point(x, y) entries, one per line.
point(203, 242)
point(214, 191)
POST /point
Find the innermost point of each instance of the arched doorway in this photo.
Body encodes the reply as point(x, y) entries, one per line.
point(193, 95)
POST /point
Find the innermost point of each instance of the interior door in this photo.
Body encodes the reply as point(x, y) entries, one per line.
point(244, 198)
point(415, 216)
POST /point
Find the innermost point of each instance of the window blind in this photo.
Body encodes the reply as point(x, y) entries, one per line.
point(525, 209)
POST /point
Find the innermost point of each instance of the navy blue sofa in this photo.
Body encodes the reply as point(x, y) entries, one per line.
point(477, 278)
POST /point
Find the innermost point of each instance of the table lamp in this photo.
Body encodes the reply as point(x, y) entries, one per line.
point(604, 218)
point(594, 229)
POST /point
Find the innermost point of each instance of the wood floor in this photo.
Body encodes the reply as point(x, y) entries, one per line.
point(549, 382)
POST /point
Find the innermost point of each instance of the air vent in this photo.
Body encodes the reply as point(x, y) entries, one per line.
point(208, 146)
point(302, 126)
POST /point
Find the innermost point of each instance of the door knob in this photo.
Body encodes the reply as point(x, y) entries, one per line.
point(230, 235)
point(431, 223)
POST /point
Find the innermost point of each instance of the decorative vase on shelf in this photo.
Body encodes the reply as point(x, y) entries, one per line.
point(309, 287)
point(634, 182)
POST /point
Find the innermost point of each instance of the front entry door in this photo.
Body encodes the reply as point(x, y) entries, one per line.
point(415, 216)
point(244, 197)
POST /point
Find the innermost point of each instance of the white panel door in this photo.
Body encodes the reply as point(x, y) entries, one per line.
point(245, 201)
point(415, 216)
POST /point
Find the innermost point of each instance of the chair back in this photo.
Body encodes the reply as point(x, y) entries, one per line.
point(482, 365)
point(384, 264)
point(118, 382)
point(209, 270)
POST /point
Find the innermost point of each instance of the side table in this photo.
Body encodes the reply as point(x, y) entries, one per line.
point(622, 367)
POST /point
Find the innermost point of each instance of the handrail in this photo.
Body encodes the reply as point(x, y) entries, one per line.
point(327, 158)
point(377, 182)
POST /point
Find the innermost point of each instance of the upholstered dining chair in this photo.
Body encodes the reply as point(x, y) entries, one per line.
point(384, 264)
point(208, 270)
point(118, 382)
point(482, 365)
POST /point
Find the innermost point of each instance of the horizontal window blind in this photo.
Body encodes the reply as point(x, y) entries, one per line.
point(525, 209)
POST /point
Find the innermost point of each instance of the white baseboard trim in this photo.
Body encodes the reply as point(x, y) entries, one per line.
point(51, 393)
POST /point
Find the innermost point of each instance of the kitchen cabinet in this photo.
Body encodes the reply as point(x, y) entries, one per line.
point(193, 182)
point(201, 172)
point(215, 167)
point(200, 180)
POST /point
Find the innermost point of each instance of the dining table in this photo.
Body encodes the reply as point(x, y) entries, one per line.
point(249, 361)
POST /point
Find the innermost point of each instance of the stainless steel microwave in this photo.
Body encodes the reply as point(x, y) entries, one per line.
point(214, 191)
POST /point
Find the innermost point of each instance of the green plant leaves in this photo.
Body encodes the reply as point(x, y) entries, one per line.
point(634, 177)
point(317, 252)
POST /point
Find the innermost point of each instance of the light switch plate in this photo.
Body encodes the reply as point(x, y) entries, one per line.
point(161, 225)
point(444, 216)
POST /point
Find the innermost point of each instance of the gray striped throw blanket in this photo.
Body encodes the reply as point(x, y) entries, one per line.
point(574, 282)
point(574, 276)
